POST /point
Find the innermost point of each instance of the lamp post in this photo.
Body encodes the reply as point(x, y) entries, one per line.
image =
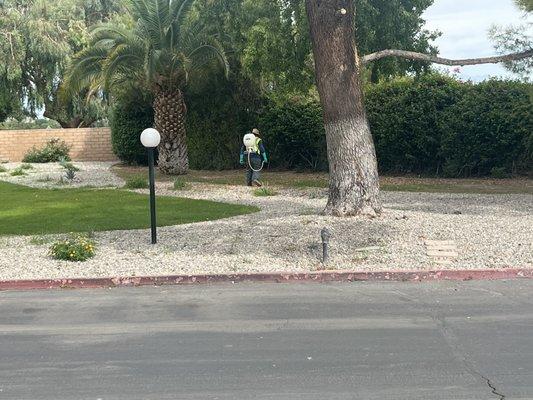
point(150, 139)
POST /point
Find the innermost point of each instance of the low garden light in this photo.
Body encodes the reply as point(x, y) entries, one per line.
point(150, 138)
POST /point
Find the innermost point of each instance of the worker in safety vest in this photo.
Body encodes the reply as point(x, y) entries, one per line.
point(254, 156)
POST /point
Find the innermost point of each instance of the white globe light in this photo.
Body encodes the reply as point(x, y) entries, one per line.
point(150, 138)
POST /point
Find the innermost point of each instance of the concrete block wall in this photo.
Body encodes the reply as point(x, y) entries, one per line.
point(86, 144)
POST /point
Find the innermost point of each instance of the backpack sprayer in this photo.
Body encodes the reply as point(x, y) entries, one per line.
point(250, 142)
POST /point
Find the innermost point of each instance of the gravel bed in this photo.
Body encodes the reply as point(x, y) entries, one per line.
point(490, 231)
point(94, 174)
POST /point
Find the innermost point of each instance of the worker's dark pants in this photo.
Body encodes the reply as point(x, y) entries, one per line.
point(255, 161)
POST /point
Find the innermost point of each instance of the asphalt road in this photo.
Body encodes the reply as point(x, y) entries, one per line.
point(471, 340)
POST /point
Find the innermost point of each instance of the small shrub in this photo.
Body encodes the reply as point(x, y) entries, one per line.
point(180, 184)
point(264, 192)
point(499, 173)
point(70, 169)
point(55, 150)
point(70, 174)
point(18, 172)
point(45, 179)
point(131, 113)
point(75, 248)
point(26, 166)
point(40, 240)
point(68, 165)
point(137, 182)
point(2, 169)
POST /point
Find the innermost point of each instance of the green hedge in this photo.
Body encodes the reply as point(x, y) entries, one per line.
point(220, 112)
point(131, 113)
point(489, 131)
point(438, 125)
point(430, 125)
point(406, 118)
point(294, 135)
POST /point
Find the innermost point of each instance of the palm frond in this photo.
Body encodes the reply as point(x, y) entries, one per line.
point(207, 49)
point(163, 48)
point(85, 68)
point(123, 58)
point(179, 9)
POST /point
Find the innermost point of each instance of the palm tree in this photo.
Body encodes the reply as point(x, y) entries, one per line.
point(161, 51)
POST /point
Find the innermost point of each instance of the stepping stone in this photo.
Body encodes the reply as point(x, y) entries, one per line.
point(442, 252)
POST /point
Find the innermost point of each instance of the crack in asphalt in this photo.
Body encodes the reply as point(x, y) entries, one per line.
point(452, 340)
point(494, 390)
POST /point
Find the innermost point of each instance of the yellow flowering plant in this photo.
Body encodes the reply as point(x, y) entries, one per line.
point(77, 247)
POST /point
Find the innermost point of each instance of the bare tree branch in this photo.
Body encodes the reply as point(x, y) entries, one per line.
point(411, 55)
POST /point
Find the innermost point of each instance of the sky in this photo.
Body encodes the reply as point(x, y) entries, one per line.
point(464, 25)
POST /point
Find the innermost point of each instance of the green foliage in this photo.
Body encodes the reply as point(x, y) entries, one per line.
point(437, 125)
point(132, 113)
point(83, 210)
point(26, 166)
point(75, 248)
point(38, 40)
point(70, 174)
point(40, 240)
point(18, 172)
point(499, 173)
point(180, 184)
point(14, 124)
point(67, 165)
point(270, 38)
point(55, 150)
point(137, 182)
point(420, 125)
point(264, 191)
point(294, 135)
point(161, 51)
point(526, 5)
point(393, 24)
point(406, 117)
point(515, 39)
point(2, 169)
point(220, 112)
point(489, 130)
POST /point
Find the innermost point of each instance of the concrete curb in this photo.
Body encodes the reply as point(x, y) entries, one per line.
point(275, 277)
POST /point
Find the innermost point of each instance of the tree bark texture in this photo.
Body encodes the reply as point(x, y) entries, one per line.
point(354, 184)
point(170, 112)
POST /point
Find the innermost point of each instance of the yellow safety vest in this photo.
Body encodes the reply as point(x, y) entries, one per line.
point(255, 149)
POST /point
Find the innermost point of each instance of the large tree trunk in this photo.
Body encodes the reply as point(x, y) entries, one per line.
point(170, 110)
point(354, 184)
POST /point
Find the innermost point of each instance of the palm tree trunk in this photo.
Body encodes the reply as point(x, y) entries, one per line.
point(354, 184)
point(170, 111)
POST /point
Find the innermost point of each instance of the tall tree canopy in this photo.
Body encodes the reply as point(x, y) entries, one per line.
point(38, 39)
point(393, 24)
point(160, 51)
point(526, 5)
point(270, 38)
point(516, 38)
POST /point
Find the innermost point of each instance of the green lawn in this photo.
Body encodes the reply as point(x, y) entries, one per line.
point(29, 211)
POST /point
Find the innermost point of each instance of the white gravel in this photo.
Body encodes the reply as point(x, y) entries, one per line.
point(491, 231)
point(97, 174)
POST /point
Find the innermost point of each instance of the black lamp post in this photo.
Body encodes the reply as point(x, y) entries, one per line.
point(150, 138)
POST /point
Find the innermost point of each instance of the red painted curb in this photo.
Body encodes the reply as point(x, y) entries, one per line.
point(277, 277)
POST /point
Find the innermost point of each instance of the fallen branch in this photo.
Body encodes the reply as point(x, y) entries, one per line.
point(411, 55)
